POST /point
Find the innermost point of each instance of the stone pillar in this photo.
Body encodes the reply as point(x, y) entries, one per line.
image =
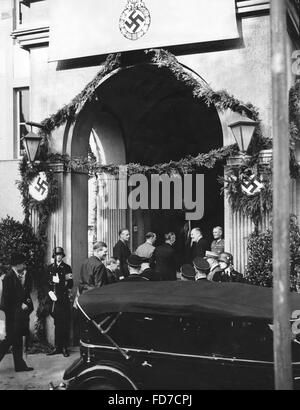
point(56, 221)
point(264, 160)
point(238, 226)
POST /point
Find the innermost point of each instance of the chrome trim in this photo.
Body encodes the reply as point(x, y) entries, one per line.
point(110, 369)
point(215, 358)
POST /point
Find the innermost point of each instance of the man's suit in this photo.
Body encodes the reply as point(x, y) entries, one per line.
point(61, 309)
point(198, 249)
point(92, 274)
point(121, 251)
point(15, 293)
point(164, 262)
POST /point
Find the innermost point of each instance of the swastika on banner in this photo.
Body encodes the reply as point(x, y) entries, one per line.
point(39, 187)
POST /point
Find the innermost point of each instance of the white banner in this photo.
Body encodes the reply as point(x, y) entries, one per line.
point(81, 28)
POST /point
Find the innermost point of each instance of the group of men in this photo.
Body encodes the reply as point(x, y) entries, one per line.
point(147, 263)
point(159, 263)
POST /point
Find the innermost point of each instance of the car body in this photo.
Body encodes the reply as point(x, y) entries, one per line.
point(177, 336)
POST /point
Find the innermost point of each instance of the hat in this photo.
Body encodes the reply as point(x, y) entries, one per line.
point(211, 255)
point(188, 272)
point(134, 261)
point(145, 260)
point(58, 251)
point(17, 259)
point(226, 257)
point(201, 264)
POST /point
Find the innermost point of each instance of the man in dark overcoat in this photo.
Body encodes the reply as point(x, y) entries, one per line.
point(17, 304)
point(60, 284)
point(164, 259)
point(122, 252)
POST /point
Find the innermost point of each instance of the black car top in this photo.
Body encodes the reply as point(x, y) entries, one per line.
point(232, 300)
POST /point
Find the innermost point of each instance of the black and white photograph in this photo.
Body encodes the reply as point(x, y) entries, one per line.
point(149, 197)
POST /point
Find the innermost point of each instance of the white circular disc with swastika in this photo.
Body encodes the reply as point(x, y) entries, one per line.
point(135, 22)
point(252, 185)
point(39, 187)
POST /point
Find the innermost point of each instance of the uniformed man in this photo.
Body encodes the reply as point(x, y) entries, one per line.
point(215, 272)
point(134, 266)
point(201, 268)
point(229, 273)
point(217, 245)
point(60, 283)
point(187, 272)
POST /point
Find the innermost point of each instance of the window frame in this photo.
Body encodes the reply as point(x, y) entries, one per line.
point(17, 119)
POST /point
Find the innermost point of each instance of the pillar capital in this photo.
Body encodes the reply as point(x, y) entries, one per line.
point(238, 160)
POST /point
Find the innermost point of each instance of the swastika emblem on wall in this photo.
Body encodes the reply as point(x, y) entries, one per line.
point(135, 20)
point(251, 185)
point(39, 187)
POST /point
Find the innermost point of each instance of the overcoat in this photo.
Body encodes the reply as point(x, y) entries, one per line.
point(14, 295)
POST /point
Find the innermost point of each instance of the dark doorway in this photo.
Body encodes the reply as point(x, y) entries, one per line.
point(162, 121)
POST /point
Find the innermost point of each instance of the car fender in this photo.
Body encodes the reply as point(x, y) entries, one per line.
point(108, 371)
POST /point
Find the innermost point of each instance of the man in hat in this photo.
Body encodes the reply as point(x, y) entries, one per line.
point(134, 266)
point(121, 251)
point(229, 273)
point(202, 269)
point(146, 270)
point(215, 272)
point(17, 304)
point(93, 272)
point(60, 283)
point(187, 272)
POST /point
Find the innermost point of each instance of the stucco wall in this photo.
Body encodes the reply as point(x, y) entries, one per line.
point(6, 81)
point(245, 71)
point(10, 197)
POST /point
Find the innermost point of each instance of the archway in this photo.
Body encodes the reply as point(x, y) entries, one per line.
point(143, 114)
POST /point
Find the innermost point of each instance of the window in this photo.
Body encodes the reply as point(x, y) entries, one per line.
point(21, 102)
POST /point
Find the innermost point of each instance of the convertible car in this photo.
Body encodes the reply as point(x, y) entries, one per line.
point(177, 335)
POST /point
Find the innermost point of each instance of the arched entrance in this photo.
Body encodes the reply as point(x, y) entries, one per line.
point(142, 114)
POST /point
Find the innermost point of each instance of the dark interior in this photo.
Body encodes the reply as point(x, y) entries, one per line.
point(161, 120)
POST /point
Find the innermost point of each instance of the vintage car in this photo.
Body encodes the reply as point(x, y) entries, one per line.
point(177, 335)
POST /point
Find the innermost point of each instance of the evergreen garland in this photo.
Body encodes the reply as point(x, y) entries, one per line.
point(254, 206)
point(294, 112)
point(69, 111)
point(44, 208)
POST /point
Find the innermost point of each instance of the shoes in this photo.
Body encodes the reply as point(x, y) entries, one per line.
point(65, 352)
point(24, 369)
point(53, 352)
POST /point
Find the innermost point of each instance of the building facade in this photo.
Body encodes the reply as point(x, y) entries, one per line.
point(49, 52)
